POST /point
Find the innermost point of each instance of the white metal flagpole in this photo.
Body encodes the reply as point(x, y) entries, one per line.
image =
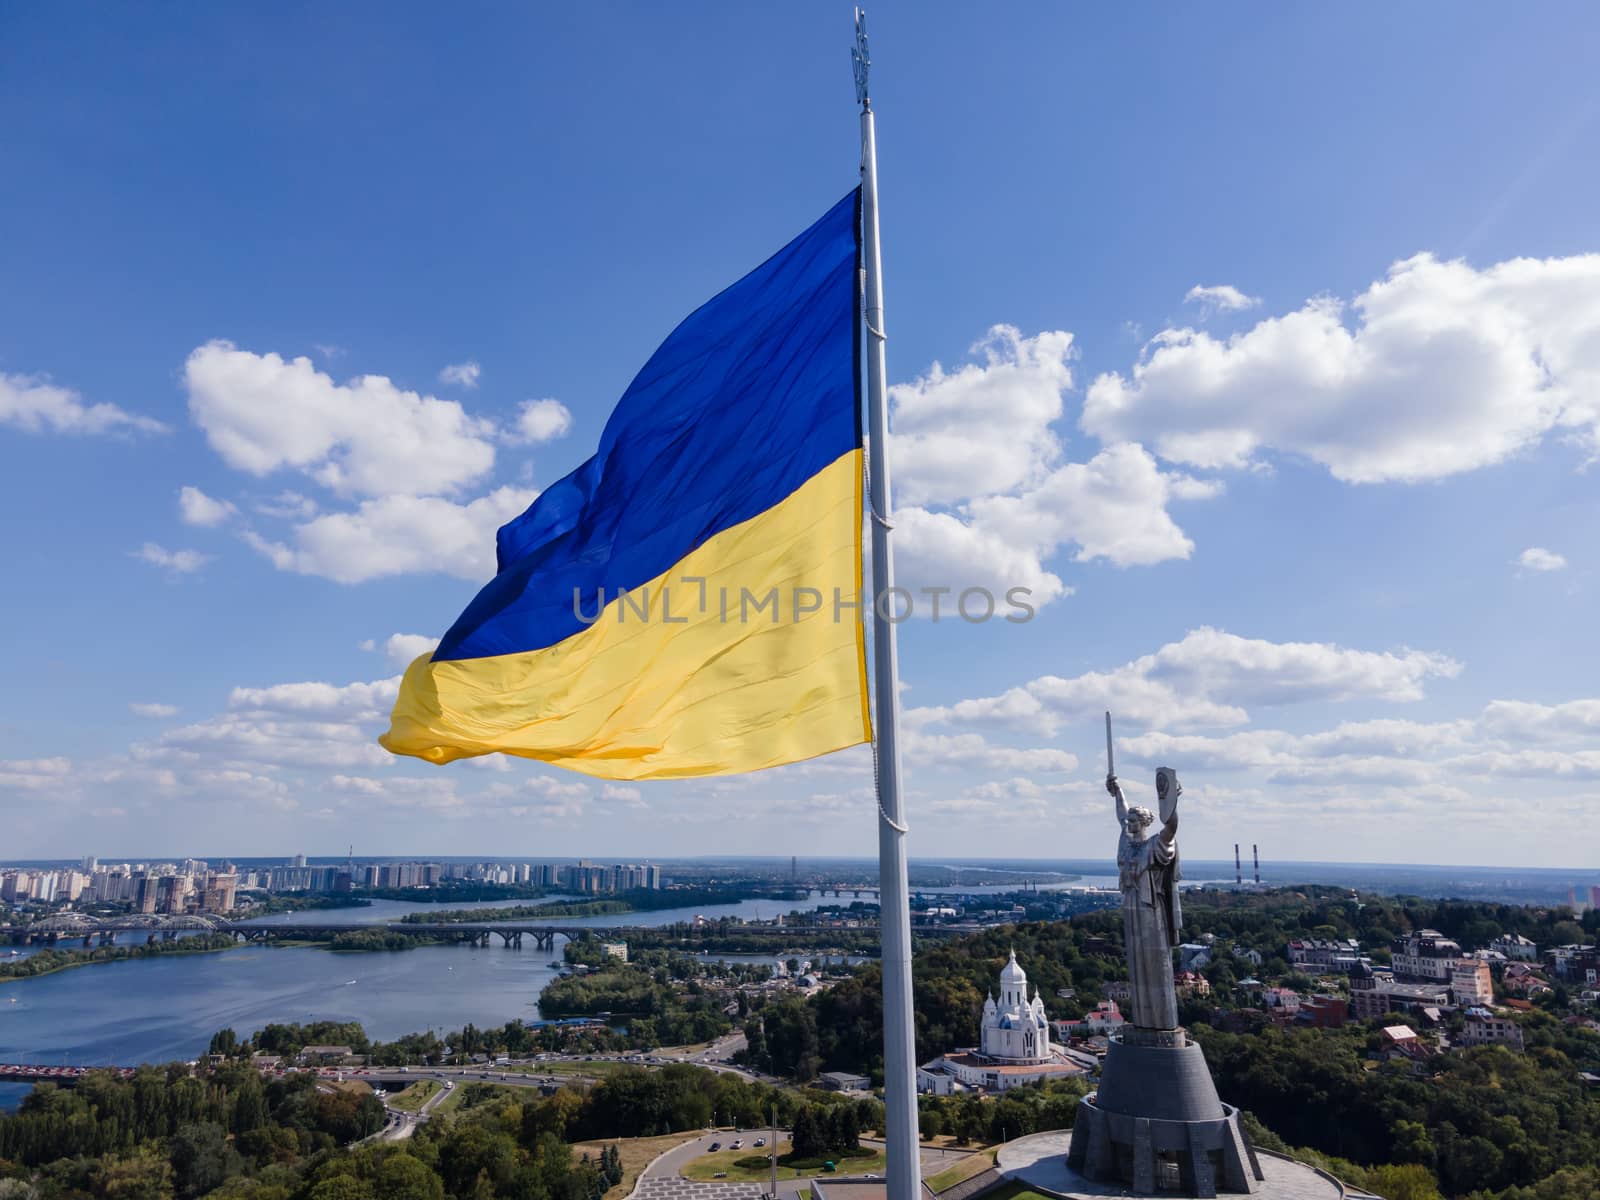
point(899, 1029)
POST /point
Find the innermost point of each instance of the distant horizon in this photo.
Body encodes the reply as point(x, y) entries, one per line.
point(1059, 865)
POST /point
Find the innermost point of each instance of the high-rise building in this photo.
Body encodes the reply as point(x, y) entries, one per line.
point(90, 862)
point(299, 860)
point(145, 891)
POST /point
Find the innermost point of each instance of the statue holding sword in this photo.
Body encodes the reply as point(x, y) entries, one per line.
point(1148, 874)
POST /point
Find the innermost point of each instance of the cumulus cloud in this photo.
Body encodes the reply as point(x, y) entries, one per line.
point(1537, 558)
point(985, 495)
point(542, 421)
point(983, 428)
point(197, 508)
point(1223, 297)
point(461, 374)
point(403, 649)
point(270, 741)
point(33, 404)
point(1356, 761)
point(263, 413)
point(153, 710)
point(1443, 368)
point(351, 701)
point(394, 535)
point(180, 562)
point(1206, 679)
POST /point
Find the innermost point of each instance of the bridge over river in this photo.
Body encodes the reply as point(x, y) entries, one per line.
point(70, 927)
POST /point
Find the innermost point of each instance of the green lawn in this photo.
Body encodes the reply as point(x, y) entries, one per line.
point(708, 1165)
point(974, 1164)
point(637, 1153)
point(415, 1096)
point(1016, 1191)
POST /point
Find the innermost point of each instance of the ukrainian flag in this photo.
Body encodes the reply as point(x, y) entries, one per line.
point(687, 601)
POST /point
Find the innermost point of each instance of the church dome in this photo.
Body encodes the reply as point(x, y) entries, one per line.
point(1013, 976)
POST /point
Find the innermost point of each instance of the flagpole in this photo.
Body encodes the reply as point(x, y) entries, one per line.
point(894, 897)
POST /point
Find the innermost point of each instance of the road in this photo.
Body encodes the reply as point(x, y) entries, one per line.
point(662, 1179)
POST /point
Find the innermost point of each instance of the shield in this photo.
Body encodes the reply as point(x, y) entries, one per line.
point(1169, 801)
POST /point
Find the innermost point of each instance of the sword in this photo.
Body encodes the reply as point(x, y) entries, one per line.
point(1111, 766)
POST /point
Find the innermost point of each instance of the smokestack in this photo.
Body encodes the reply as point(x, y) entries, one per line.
point(1256, 857)
point(1238, 871)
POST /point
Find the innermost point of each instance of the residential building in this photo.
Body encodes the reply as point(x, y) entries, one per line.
point(1373, 995)
point(1574, 963)
point(1515, 946)
point(1323, 1012)
point(1484, 1028)
point(1471, 982)
point(616, 950)
point(1401, 1041)
point(1316, 955)
point(1426, 954)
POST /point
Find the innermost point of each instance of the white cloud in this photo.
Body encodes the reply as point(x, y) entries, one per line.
point(182, 562)
point(629, 797)
point(269, 741)
point(155, 711)
point(33, 404)
point(288, 506)
point(34, 774)
point(1537, 558)
point(1222, 297)
point(983, 497)
point(394, 535)
point(983, 428)
point(1206, 679)
point(262, 413)
point(1521, 720)
point(1446, 369)
point(972, 750)
point(351, 701)
point(437, 792)
point(542, 421)
point(197, 508)
point(404, 648)
point(461, 374)
point(1114, 507)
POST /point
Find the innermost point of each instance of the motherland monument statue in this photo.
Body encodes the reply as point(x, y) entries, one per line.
point(1156, 1122)
point(1155, 1127)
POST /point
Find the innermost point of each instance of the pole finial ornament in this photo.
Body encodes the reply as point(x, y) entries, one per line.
point(861, 60)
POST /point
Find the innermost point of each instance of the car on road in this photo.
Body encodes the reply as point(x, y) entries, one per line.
point(760, 1142)
point(738, 1144)
point(714, 1147)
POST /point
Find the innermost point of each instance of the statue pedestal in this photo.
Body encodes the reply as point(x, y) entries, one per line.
point(1157, 1125)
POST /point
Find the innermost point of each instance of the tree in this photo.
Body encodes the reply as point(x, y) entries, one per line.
point(809, 1138)
point(343, 1187)
point(402, 1177)
point(201, 1158)
point(1409, 1181)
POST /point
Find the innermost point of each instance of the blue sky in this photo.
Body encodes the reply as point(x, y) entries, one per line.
point(1321, 533)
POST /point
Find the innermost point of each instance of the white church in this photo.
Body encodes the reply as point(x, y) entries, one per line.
point(1014, 1045)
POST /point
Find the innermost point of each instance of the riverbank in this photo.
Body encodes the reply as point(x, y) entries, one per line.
point(52, 962)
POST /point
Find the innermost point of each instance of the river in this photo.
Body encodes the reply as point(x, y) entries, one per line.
point(160, 1009)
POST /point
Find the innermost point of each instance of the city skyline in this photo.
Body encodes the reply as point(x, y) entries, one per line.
point(1295, 474)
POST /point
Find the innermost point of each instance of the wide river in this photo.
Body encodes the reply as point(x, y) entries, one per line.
point(161, 1009)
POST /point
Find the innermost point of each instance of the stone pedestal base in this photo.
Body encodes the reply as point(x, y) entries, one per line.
point(1157, 1125)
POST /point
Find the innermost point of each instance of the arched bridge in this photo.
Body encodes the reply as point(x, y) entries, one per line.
point(70, 926)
